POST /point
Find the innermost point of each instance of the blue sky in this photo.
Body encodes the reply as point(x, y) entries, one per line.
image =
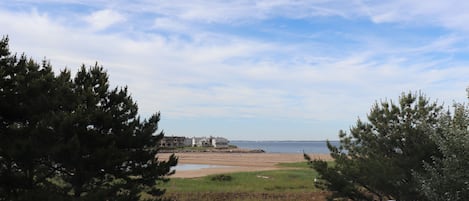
point(254, 70)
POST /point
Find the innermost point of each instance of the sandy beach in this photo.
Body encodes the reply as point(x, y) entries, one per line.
point(234, 162)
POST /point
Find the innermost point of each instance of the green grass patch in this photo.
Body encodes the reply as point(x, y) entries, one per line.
point(295, 165)
point(294, 183)
point(303, 164)
point(247, 196)
point(293, 180)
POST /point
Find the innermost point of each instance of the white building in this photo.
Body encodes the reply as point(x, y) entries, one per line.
point(200, 142)
point(218, 142)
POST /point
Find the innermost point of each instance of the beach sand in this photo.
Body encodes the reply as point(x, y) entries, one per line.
point(235, 162)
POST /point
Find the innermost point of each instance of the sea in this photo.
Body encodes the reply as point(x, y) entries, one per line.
point(318, 147)
point(310, 147)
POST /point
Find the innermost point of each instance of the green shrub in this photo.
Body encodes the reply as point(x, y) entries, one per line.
point(222, 177)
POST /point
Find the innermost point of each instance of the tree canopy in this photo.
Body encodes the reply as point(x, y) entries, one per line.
point(447, 178)
point(64, 138)
point(412, 150)
point(377, 159)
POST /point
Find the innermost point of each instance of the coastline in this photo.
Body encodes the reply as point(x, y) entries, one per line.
point(235, 161)
point(212, 150)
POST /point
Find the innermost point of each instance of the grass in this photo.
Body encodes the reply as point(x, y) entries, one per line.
point(242, 196)
point(295, 183)
point(295, 165)
point(301, 164)
point(288, 180)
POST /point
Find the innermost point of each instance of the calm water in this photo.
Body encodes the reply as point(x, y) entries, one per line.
point(270, 147)
point(286, 146)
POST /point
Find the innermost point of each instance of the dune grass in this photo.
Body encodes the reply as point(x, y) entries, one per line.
point(247, 196)
point(299, 179)
point(293, 183)
point(304, 165)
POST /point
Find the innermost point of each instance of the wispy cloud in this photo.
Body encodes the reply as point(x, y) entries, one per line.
point(312, 61)
point(448, 14)
point(103, 19)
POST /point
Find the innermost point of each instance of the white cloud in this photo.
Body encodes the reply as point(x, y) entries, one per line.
point(221, 11)
point(169, 24)
point(449, 14)
point(103, 19)
point(209, 74)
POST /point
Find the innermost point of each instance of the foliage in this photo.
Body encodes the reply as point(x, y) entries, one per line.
point(73, 139)
point(221, 177)
point(376, 160)
point(26, 105)
point(447, 178)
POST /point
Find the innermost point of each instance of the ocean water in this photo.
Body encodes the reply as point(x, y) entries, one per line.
point(318, 147)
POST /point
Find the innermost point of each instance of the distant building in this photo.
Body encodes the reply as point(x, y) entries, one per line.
point(218, 142)
point(188, 142)
point(200, 142)
point(180, 141)
point(172, 141)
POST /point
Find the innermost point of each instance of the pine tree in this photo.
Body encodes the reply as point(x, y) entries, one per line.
point(73, 139)
point(376, 160)
point(446, 178)
point(27, 97)
point(107, 150)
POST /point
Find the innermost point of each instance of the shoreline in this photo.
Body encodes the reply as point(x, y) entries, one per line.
point(212, 150)
point(235, 162)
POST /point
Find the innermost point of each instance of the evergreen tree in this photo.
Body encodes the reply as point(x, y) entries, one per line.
point(64, 139)
point(447, 178)
point(107, 150)
point(27, 97)
point(376, 160)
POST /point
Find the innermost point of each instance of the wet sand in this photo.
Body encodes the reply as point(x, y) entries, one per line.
point(235, 162)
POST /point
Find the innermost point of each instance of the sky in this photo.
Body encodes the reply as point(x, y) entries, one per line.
point(254, 69)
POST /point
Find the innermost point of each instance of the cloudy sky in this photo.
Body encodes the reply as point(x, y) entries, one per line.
point(254, 70)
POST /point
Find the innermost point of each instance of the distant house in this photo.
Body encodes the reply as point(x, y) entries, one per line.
point(218, 142)
point(172, 141)
point(188, 142)
point(200, 142)
point(180, 141)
